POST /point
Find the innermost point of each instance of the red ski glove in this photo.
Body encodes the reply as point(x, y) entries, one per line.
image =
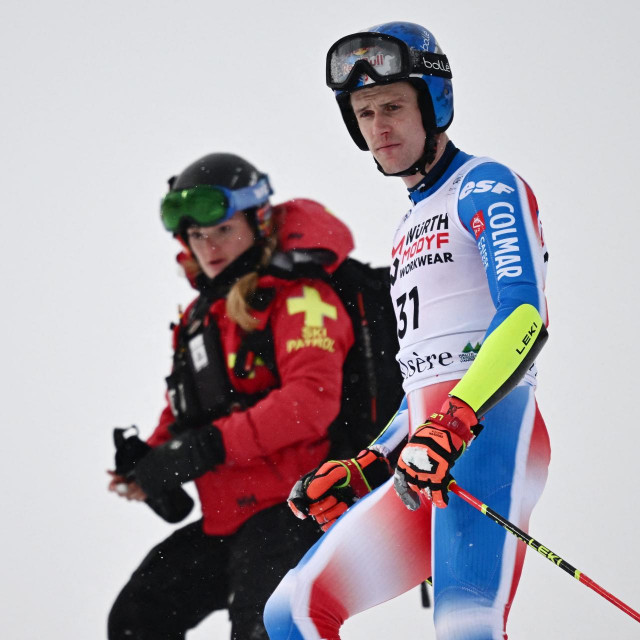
point(328, 491)
point(425, 463)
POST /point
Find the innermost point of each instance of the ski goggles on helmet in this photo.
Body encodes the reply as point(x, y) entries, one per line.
point(382, 57)
point(206, 205)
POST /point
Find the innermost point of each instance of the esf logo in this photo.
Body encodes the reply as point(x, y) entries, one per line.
point(483, 186)
point(410, 366)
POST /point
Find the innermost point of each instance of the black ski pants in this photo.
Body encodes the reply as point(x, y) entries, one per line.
point(189, 575)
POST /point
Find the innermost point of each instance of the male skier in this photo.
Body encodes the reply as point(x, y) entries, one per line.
point(468, 264)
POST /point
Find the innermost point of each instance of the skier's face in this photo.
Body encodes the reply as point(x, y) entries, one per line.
point(391, 124)
point(217, 246)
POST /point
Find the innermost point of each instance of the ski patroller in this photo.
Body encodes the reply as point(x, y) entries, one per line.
point(541, 549)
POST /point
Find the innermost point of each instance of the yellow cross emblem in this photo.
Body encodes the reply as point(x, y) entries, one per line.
point(313, 307)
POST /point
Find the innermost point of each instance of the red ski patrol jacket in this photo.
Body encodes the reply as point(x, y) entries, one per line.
point(270, 445)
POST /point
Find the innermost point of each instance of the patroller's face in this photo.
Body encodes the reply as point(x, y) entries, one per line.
point(391, 124)
point(216, 247)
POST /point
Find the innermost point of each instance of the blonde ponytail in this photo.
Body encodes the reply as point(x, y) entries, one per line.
point(238, 308)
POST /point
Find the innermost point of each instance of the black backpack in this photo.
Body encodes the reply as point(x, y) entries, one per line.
point(371, 378)
point(311, 240)
point(372, 383)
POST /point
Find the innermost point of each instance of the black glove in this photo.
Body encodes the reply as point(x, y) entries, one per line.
point(186, 456)
point(172, 506)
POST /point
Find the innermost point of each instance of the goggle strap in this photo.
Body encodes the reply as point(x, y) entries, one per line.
point(430, 64)
point(248, 197)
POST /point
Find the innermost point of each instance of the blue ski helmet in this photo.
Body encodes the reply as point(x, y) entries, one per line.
point(387, 53)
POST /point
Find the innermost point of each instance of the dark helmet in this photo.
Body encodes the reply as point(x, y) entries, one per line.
point(392, 52)
point(212, 189)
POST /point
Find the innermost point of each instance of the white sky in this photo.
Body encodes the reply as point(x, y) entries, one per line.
point(102, 102)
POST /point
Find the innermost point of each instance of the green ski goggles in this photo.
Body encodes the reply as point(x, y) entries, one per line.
point(206, 205)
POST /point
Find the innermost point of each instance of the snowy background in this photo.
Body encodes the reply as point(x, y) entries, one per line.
point(103, 101)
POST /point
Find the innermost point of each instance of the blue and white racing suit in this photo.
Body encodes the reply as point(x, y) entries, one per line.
point(468, 271)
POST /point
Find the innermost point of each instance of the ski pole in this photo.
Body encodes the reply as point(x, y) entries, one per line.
point(541, 549)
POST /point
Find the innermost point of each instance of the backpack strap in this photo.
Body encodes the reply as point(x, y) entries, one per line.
point(301, 263)
point(257, 344)
point(199, 387)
